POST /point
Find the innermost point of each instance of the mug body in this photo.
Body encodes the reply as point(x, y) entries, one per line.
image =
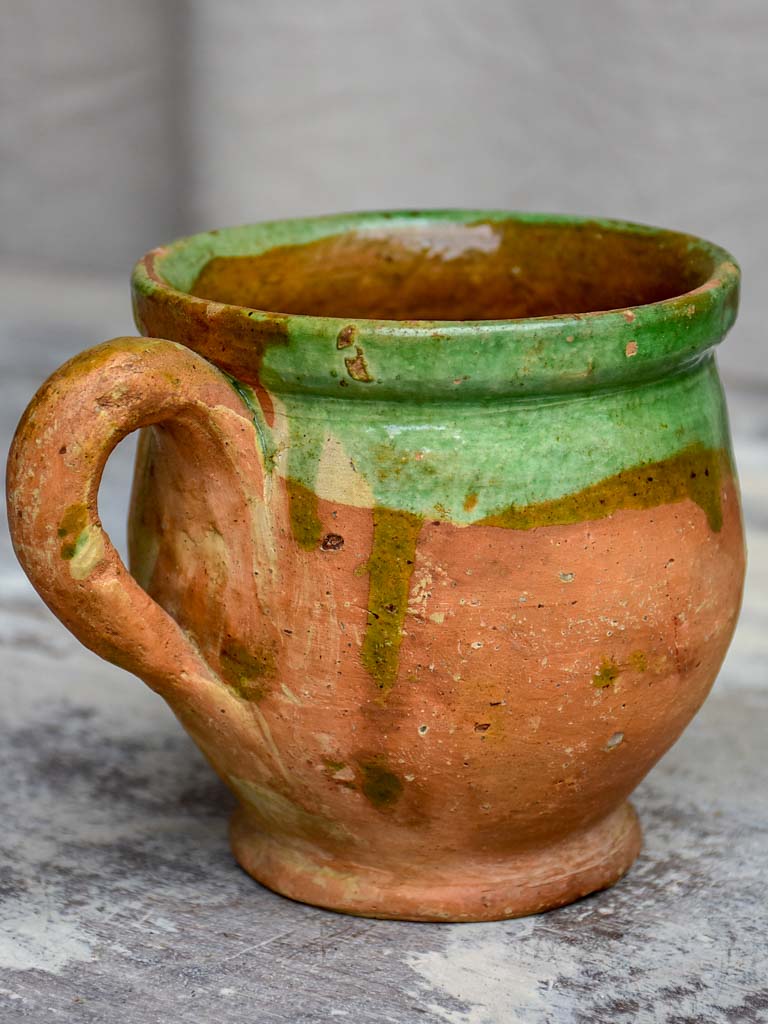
point(485, 563)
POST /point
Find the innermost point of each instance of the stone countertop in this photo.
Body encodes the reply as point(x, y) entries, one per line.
point(120, 900)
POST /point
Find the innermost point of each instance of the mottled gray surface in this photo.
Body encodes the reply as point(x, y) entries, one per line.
point(120, 901)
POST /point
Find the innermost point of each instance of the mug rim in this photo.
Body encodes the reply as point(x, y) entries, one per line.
point(604, 347)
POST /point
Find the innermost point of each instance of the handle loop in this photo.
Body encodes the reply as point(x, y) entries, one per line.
point(54, 470)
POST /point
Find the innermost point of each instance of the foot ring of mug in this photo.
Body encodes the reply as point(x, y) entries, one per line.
point(528, 883)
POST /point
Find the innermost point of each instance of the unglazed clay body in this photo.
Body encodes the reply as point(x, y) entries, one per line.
point(438, 567)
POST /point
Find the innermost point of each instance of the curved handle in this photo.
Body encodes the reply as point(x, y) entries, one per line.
point(54, 469)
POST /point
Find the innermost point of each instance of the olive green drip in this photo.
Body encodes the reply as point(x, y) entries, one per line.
point(72, 529)
point(695, 473)
point(380, 785)
point(247, 670)
point(638, 660)
point(389, 566)
point(610, 669)
point(305, 523)
point(608, 673)
point(247, 396)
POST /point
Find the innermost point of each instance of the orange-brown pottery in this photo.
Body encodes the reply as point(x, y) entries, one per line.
point(435, 538)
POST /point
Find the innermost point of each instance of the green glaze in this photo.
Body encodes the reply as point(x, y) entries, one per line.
point(389, 566)
point(638, 661)
point(515, 424)
point(470, 462)
point(73, 530)
point(607, 674)
point(305, 524)
point(252, 404)
point(462, 420)
point(693, 473)
point(380, 785)
point(247, 671)
point(444, 360)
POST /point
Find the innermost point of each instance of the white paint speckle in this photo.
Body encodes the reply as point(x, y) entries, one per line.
point(502, 973)
point(38, 934)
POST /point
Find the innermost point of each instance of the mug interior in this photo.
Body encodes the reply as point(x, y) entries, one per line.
point(442, 270)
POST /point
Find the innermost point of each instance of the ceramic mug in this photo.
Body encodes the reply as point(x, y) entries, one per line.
point(435, 539)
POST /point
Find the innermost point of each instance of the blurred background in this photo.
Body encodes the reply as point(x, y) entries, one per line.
point(128, 122)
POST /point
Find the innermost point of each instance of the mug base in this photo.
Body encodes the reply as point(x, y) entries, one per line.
point(528, 883)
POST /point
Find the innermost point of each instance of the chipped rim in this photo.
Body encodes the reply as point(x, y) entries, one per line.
point(431, 358)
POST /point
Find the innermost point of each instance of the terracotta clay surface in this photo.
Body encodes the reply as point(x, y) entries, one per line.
point(431, 638)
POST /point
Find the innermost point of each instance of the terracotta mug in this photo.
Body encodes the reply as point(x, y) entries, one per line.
point(433, 560)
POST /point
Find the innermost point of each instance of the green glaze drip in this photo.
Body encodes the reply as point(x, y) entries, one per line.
point(695, 474)
point(389, 566)
point(73, 530)
point(246, 394)
point(638, 661)
point(486, 458)
point(608, 673)
point(305, 523)
point(247, 671)
point(380, 785)
point(250, 401)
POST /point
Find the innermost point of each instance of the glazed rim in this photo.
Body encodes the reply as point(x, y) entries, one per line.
point(670, 325)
